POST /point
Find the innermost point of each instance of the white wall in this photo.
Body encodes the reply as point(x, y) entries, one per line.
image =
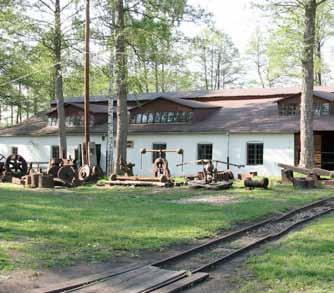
point(277, 148)
point(38, 149)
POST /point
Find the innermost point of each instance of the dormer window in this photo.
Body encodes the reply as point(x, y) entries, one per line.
point(161, 117)
point(288, 109)
point(321, 109)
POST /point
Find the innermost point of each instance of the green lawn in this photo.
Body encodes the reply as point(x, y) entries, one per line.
point(303, 262)
point(62, 227)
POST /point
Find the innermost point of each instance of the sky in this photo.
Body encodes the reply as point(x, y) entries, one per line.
point(235, 17)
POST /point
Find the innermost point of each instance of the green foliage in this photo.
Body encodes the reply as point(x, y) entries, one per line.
point(285, 38)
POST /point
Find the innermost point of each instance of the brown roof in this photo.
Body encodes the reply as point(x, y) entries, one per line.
point(187, 103)
point(233, 115)
point(203, 94)
point(93, 108)
point(240, 116)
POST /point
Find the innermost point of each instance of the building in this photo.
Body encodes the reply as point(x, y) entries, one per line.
point(254, 127)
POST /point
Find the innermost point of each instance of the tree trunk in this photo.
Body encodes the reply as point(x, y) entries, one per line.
point(306, 108)
point(318, 74)
point(59, 82)
point(121, 89)
point(205, 69)
point(110, 142)
point(156, 75)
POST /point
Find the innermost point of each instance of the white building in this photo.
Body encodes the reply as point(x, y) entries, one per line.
point(256, 127)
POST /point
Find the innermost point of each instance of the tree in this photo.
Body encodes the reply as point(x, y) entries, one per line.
point(306, 107)
point(258, 54)
point(121, 88)
point(219, 59)
point(285, 38)
point(142, 31)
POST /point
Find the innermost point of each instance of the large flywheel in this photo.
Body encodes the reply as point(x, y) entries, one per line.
point(16, 165)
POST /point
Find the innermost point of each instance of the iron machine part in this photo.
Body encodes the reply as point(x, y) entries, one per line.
point(66, 173)
point(84, 173)
point(2, 163)
point(16, 165)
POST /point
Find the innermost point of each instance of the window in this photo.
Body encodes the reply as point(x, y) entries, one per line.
point(204, 151)
point(158, 146)
point(15, 150)
point(289, 109)
point(138, 118)
point(54, 152)
point(150, 118)
point(52, 121)
point(254, 153)
point(321, 109)
point(161, 117)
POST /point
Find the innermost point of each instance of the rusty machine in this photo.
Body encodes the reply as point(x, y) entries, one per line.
point(13, 166)
point(160, 169)
point(210, 177)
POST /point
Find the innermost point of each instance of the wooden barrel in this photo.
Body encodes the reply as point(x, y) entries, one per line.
point(45, 181)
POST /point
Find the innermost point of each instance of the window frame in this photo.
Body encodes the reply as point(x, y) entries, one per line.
point(52, 151)
point(255, 161)
point(206, 144)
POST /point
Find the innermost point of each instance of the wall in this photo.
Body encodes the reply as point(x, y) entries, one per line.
point(277, 148)
point(38, 149)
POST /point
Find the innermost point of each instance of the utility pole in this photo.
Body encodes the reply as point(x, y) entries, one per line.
point(86, 86)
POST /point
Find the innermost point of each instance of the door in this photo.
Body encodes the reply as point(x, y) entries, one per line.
point(327, 151)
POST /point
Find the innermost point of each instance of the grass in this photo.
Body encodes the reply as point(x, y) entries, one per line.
point(302, 262)
point(58, 228)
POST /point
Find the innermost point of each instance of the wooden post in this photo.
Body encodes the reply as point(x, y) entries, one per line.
point(86, 86)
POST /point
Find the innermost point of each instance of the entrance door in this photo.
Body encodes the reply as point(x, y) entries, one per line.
point(327, 151)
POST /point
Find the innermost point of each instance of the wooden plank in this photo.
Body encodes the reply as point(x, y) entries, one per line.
point(136, 183)
point(138, 281)
point(113, 283)
point(183, 283)
point(74, 283)
point(145, 283)
point(294, 169)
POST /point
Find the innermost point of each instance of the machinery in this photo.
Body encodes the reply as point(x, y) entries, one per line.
point(12, 166)
point(64, 171)
point(210, 177)
point(160, 169)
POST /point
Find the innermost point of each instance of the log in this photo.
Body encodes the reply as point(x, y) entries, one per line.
point(323, 172)
point(306, 183)
point(215, 186)
point(300, 170)
point(305, 171)
point(138, 178)
point(249, 183)
point(137, 183)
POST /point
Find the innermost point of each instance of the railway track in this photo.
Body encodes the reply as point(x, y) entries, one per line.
point(191, 266)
